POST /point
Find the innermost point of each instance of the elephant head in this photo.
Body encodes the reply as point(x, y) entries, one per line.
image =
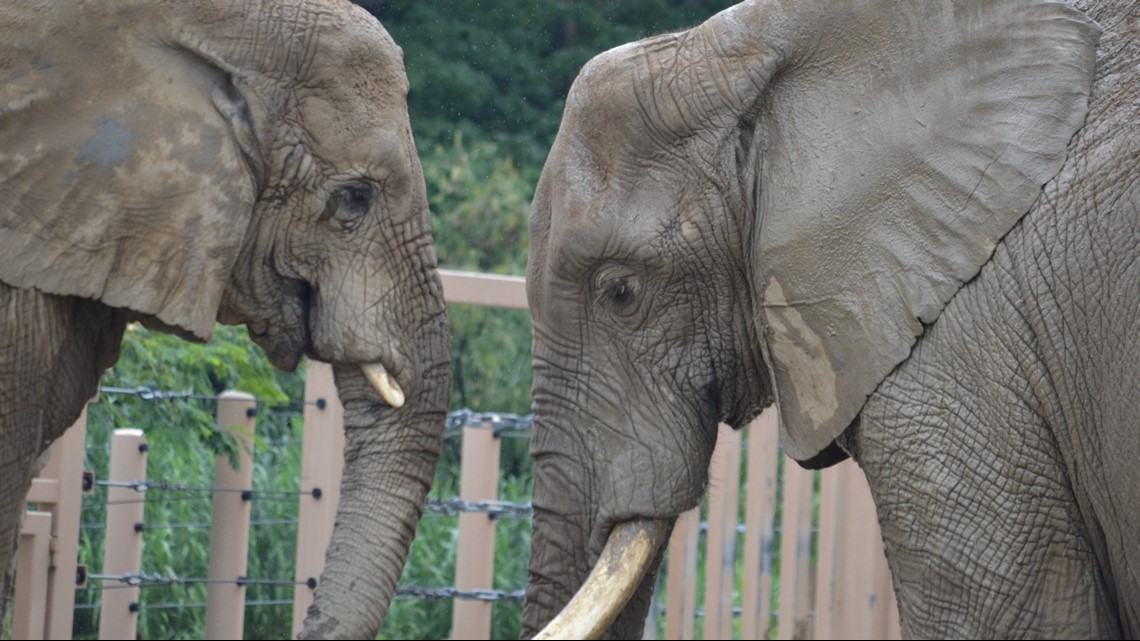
point(183, 163)
point(769, 207)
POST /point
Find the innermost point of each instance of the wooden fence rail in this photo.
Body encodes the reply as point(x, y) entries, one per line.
point(790, 551)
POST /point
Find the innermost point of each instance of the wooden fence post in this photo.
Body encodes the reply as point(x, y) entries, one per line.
point(681, 581)
point(828, 622)
point(229, 532)
point(855, 600)
point(475, 551)
point(795, 554)
point(58, 492)
point(122, 554)
point(28, 622)
point(759, 525)
point(322, 463)
point(720, 542)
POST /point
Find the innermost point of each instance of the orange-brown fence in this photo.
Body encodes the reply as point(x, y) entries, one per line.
point(788, 553)
point(775, 551)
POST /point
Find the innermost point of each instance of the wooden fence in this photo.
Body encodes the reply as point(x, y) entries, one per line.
point(798, 555)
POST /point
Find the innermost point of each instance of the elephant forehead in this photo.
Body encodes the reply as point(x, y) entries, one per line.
point(614, 216)
point(371, 140)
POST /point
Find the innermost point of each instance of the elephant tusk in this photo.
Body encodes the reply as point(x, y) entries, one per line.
point(615, 577)
point(384, 384)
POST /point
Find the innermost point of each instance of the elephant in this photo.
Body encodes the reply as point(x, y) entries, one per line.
point(182, 163)
point(914, 228)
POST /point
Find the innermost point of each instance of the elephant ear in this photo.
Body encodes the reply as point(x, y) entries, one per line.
point(894, 144)
point(126, 164)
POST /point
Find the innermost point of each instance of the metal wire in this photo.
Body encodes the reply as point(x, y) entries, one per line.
point(142, 579)
point(414, 592)
point(456, 420)
point(493, 509)
point(501, 423)
point(143, 486)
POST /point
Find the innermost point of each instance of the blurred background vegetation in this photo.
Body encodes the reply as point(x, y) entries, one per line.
point(487, 87)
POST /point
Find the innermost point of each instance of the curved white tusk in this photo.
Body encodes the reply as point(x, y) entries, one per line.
point(384, 384)
point(629, 551)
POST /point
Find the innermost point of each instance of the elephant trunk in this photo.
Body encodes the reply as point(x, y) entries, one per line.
point(569, 594)
point(390, 461)
point(620, 570)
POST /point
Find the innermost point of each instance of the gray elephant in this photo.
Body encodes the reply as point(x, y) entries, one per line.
point(915, 228)
point(180, 163)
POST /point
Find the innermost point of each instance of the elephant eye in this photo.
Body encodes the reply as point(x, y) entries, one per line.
point(348, 204)
point(619, 294)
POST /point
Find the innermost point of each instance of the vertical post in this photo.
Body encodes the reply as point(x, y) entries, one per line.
point(829, 619)
point(681, 582)
point(322, 463)
point(118, 617)
point(58, 493)
point(475, 552)
point(893, 624)
point(863, 598)
point(795, 553)
point(31, 576)
point(759, 524)
point(229, 532)
point(67, 457)
point(720, 559)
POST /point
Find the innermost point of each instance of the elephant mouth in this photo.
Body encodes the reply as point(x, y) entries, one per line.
point(286, 354)
point(626, 557)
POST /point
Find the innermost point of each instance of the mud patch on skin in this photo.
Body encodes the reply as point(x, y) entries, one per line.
point(796, 346)
point(110, 147)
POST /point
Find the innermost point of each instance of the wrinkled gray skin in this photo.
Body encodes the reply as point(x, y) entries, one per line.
point(838, 207)
point(178, 163)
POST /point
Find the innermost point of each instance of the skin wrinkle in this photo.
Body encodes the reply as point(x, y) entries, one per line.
point(684, 65)
point(1041, 311)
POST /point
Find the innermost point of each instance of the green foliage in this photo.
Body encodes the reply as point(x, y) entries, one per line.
point(183, 440)
point(166, 363)
point(480, 207)
point(501, 72)
point(431, 564)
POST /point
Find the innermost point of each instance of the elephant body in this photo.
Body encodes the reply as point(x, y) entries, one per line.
point(183, 163)
point(1008, 442)
point(43, 390)
point(798, 203)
